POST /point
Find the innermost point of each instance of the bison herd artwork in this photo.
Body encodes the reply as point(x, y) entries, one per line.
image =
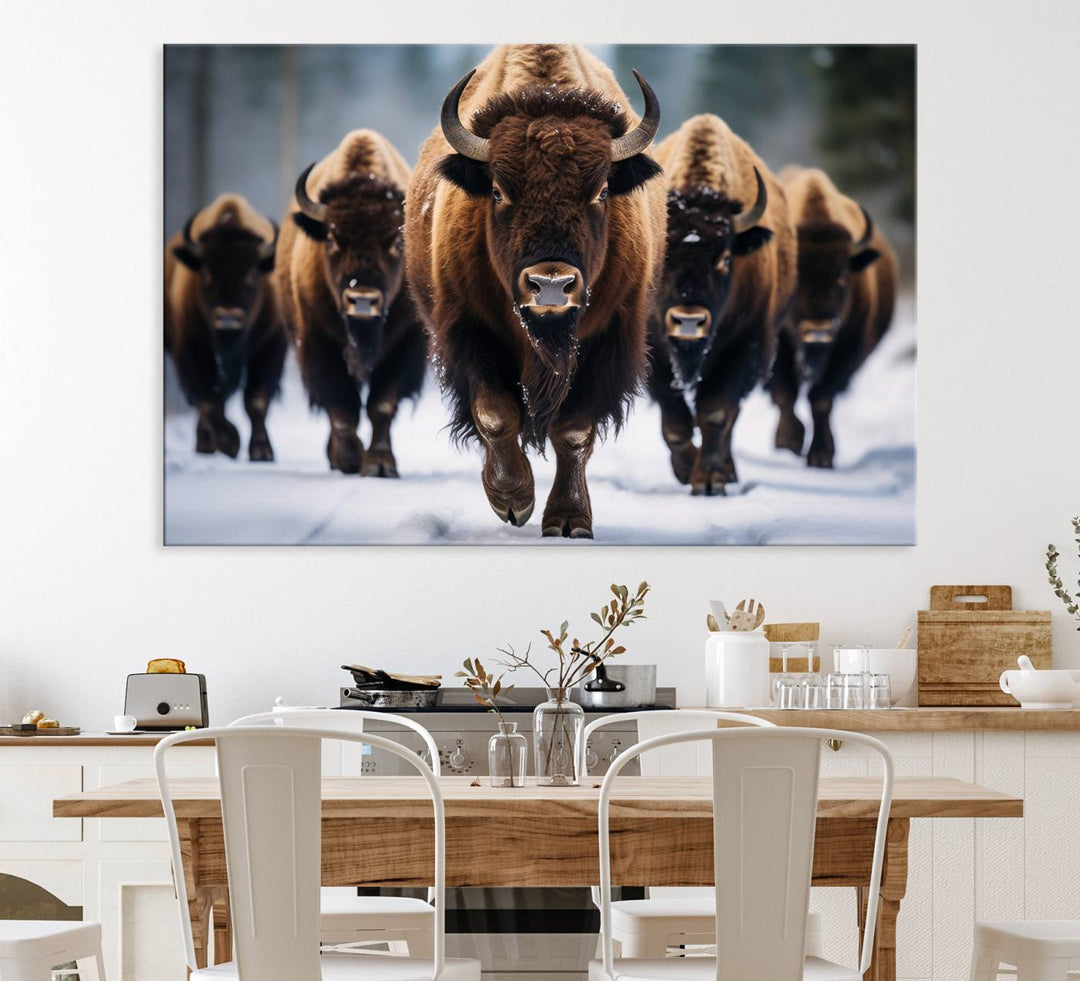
point(548, 275)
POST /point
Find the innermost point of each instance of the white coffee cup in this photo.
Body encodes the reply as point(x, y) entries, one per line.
point(124, 723)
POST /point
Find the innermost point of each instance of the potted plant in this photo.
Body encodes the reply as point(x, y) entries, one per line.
point(557, 723)
point(1071, 602)
point(508, 750)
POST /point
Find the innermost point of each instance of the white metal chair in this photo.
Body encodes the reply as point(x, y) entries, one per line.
point(346, 917)
point(674, 916)
point(1041, 950)
point(765, 790)
point(30, 949)
point(271, 809)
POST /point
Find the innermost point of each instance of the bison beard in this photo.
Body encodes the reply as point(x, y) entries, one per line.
point(362, 350)
point(546, 378)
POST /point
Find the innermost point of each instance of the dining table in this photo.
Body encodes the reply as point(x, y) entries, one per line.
point(377, 831)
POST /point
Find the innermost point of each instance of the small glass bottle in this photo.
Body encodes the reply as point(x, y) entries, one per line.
point(508, 755)
point(557, 725)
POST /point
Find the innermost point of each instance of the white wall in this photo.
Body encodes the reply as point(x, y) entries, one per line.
point(88, 594)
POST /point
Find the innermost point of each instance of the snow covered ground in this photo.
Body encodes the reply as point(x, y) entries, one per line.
point(868, 499)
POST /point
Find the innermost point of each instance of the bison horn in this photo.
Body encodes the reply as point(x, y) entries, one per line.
point(266, 250)
point(745, 220)
point(639, 138)
point(192, 245)
point(307, 206)
point(467, 143)
point(867, 234)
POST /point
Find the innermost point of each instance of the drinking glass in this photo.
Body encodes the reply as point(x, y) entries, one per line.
point(834, 690)
point(788, 692)
point(853, 691)
point(813, 691)
point(785, 676)
point(879, 693)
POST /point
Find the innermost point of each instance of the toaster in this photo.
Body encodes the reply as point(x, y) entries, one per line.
point(164, 702)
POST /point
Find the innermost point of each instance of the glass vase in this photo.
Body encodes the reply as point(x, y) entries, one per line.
point(508, 754)
point(557, 725)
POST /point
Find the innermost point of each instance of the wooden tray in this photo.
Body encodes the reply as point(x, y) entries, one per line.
point(61, 731)
point(968, 637)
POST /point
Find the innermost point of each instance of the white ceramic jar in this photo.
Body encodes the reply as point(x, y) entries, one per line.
point(737, 669)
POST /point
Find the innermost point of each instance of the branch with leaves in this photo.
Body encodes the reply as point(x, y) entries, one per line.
point(576, 660)
point(1072, 603)
point(486, 688)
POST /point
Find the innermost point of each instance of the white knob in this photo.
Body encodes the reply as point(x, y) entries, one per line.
point(458, 759)
point(591, 758)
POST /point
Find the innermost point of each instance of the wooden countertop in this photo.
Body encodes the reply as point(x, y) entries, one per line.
point(407, 797)
point(92, 739)
point(922, 719)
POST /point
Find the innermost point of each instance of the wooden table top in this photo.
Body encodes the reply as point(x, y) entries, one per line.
point(659, 797)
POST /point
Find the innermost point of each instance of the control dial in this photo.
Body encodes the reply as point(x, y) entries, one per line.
point(458, 759)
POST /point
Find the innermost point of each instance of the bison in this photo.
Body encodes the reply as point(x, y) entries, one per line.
point(533, 256)
point(729, 277)
point(340, 284)
point(844, 304)
point(221, 324)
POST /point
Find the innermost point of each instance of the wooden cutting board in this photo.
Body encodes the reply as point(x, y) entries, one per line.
point(61, 731)
point(968, 637)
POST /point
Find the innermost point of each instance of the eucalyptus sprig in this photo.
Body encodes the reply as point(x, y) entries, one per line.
point(1072, 603)
point(486, 688)
point(575, 659)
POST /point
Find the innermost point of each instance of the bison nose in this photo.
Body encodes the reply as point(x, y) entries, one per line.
point(551, 286)
point(688, 323)
point(227, 318)
point(818, 331)
point(362, 302)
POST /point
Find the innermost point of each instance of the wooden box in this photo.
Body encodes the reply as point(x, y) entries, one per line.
point(968, 637)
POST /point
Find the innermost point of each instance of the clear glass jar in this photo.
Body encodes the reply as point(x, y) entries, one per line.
point(557, 725)
point(508, 755)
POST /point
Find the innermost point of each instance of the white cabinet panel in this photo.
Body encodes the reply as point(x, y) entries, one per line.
point(1000, 841)
point(140, 922)
point(26, 803)
point(1052, 838)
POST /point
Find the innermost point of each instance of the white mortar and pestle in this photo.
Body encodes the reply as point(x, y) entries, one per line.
point(1035, 689)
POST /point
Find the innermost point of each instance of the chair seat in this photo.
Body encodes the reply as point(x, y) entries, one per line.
point(40, 939)
point(695, 915)
point(704, 969)
point(349, 967)
point(1028, 939)
point(376, 912)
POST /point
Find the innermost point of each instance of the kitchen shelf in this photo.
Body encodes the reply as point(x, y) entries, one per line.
point(922, 719)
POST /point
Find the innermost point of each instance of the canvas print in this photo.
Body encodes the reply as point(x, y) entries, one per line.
point(539, 294)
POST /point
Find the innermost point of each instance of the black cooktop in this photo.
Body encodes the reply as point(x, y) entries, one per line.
point(519, 700)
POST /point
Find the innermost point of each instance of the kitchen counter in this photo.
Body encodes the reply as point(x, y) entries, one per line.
point(88, 739)
point(923, 719)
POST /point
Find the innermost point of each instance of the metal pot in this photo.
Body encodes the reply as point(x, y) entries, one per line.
point(388, 698)
point(619, 686)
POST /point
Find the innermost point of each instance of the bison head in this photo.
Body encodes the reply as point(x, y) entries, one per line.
point(546, 164)
point(708, 234)
point(230, 262)
point(828, 257)
point(358, 222)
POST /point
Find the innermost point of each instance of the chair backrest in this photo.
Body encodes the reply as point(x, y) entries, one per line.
point(765, 791)
point(271, 809)
point(347, 720)
point(686, 760)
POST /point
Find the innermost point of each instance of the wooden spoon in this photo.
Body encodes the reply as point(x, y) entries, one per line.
point(748, 617)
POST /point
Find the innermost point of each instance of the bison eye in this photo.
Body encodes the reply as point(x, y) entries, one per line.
point(396, 247)
point(497, 195)
point(602, 196)
point(724, 265)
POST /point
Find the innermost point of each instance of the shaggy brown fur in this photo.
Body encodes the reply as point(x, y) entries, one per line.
point(744, 281)
point(843, 307)
point(211, 363)
point(550, 112)
point(362, 185)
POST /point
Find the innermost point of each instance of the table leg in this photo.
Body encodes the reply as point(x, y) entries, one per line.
point(222, 920)
point(893, 889)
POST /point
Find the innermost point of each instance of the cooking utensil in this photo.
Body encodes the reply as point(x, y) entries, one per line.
point(748, 617)
point(720, 614)
point(365, 677)
point(390, 698)
point(905, 639)
point(619, 686)
point(712, 624)
point(35, 731)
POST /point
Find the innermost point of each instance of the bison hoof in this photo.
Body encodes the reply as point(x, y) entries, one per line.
point(712, 487)
point(228, 438)
point(379, 463)
point(345, 453)
point(790, 435)
point(516, 514)
point(822, 459)
point(568, 523)
point(682, 463)
point(260, 450)
point(205, 440)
